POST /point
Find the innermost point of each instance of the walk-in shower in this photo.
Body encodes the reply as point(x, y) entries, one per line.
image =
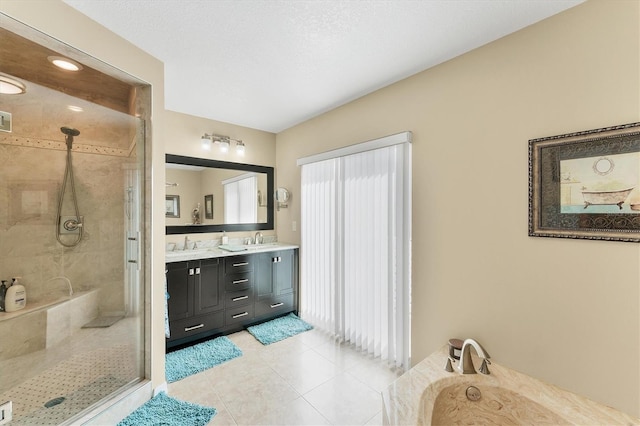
point(69, 225)
point(76, 240)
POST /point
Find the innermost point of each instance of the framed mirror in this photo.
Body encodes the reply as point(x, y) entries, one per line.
point(217, 196)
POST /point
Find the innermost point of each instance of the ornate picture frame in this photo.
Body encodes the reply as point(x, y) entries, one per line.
point(586, 184)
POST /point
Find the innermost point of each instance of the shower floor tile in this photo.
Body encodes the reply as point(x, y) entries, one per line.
point(82, 370)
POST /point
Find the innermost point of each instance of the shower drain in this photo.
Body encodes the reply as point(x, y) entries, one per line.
point(54, 402)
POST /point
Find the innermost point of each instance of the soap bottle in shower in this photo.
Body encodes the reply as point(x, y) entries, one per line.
point(3, 291)
point(16, 297)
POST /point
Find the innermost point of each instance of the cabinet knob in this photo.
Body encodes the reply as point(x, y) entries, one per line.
point(236, 299)
point(197, 271)
point(276, 305)
point(241, 281)
point(240, 315)
point(191, 272)
point(195, 327)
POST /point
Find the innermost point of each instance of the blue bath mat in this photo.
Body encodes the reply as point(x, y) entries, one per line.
point(164, 410)
point(278, 329)
point(200, 357)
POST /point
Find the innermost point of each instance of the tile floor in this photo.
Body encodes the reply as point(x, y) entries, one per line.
point(308, 379)
point(89, 365)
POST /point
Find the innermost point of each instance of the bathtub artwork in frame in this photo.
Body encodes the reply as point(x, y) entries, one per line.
point(586, 184)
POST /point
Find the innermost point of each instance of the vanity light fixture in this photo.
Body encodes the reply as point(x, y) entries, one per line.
point(64, 63)
point(224, 141)
point(11, 86)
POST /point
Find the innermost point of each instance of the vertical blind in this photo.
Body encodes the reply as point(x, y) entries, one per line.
point(355, 279)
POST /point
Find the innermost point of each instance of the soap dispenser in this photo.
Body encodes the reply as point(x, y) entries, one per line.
point(3, 291)
point(225, 239)
point(16, 297)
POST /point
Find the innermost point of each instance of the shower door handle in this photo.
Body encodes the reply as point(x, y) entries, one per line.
point(135, 240)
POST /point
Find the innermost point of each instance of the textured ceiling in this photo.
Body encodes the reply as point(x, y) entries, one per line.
point(271, 64)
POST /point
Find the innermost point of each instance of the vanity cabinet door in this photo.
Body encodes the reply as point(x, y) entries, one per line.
point(264, 262)
point(180, 289)
point(284, 273)
point(276, 273)
point(208, 286)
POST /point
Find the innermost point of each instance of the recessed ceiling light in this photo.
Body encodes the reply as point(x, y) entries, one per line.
point(11, 86)
point(65, 63)
point(74, 108)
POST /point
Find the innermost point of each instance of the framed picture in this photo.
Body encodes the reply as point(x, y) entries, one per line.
point(208, 206)
point(586, 184)
point(172, 206)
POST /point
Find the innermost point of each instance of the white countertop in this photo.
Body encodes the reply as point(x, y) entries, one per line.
point(213, 252)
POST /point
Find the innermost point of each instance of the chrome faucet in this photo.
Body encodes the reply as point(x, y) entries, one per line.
point(258, 238)
point(466, 363)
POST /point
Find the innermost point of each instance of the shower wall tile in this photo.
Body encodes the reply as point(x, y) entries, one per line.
point(65, 319)
point(31, 337)
point(29, 188)
point(112, 299)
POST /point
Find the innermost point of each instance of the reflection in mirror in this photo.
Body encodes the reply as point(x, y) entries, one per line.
point(226, 196)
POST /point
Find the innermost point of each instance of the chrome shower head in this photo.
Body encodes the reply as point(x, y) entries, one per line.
point(70, 134)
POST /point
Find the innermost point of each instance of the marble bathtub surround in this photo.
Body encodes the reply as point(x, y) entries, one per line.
point(427, 394)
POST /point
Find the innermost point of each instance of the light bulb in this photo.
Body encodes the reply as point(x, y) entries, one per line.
point(65, 63)
point(206, 143)
point(240, 148)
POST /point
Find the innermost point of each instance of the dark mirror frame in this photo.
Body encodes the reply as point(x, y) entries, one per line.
point(232, 227)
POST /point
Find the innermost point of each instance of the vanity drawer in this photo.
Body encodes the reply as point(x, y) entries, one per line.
point(238, 282)
point(195, 325)
point(238, 298)
point(238, 315)
point(235, 264)
point(274, 305)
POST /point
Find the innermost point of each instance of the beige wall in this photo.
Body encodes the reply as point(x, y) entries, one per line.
point(54, 18)
point(183, 134)
point(564, 311)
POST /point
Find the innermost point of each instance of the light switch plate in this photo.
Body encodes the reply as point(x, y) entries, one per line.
point(6, 412)
point(5, 121)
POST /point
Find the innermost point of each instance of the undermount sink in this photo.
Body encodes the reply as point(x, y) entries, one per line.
point(259, 246)
point(186, 252)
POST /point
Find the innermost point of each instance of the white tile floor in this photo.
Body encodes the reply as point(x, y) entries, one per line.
point(307, 379)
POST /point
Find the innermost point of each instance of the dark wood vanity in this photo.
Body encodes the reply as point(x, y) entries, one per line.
point(222, 295)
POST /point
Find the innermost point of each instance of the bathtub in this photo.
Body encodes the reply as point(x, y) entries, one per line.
point(428, 395)
point(46, 323)
point(606, 197)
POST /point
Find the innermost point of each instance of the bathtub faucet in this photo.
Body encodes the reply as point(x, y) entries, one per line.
point(466, 363)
